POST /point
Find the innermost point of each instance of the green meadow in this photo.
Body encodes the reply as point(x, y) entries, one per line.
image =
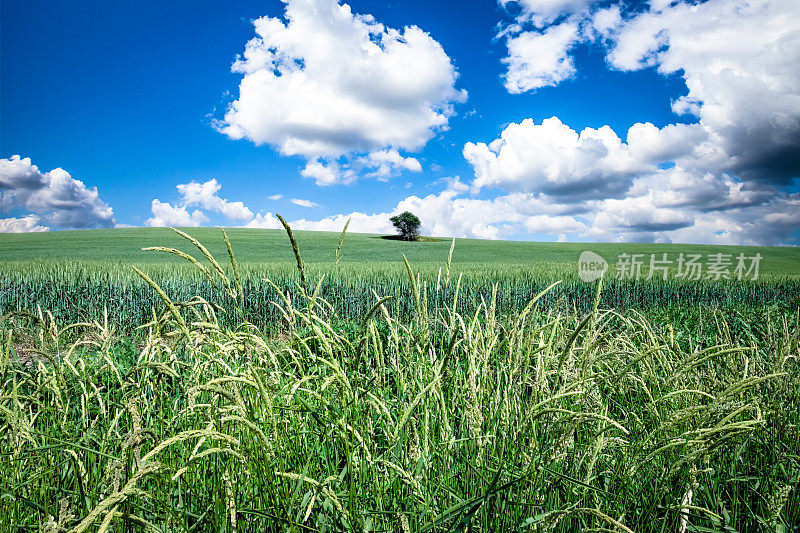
point(123, 246)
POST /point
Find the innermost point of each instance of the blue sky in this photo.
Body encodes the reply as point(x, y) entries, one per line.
point(132, 99)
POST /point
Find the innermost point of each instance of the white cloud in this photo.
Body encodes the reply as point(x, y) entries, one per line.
point(554, 225)
point(381, 164)
point(26, 224)
point(275, 197)
point(554, 159)
point(674, 142)
point(195, 194)
point(326, 83)
point(264, 221)
point(165, 214)
point(327, 173)
point(542, 12)
point(359, 223)
point(614, 190)
point(675, 204)
point(695, 215)
point(604, 21)
point(540, 59)
point(542, 36)
point(388, 163)
point(648, 217)
point(54, 198)
point(729, 171)
point(677, 183)
point(205, 195)
point(304, 203)
point(739, 60)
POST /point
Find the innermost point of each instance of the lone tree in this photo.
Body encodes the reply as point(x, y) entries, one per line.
point(407, 225)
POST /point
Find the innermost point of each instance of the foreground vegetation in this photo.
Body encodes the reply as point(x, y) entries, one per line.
point(443, 416)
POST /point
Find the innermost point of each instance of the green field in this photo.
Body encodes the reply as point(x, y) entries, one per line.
point(269, 246)
point(78, 275)
point(436, 395)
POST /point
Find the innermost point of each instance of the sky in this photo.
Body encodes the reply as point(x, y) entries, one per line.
point(546, 120)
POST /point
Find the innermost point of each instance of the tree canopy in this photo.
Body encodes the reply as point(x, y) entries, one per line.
point(407, 225)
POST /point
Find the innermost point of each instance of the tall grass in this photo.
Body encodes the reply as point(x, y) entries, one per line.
point(436, 417)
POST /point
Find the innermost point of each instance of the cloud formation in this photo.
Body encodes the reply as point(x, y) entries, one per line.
point(720, 179)
point(665, 184)
point(543, 12)
point(206, 195)
point(554, 159)
point(52, 199)
point(540, 59)
point(303, 203)
point(739, 60)
point(168, 215)
point(193, 194)
point(26, 224)
point(329, 85)
point(661, 205)
point(449, 213)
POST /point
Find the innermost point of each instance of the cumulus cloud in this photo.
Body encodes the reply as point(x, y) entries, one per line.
point(644, 218)
point(205, 195)
point(554, 225)
point(541, 38)
point(264, 221)
point(275, 197)
point(720, 180)
point(388, 163)
point(659, 184)
point(359, 223)
point(326, 83)
point(380, 164)
point(327, 173)
point(688, 144)
point(663, 205)
point(26, 224)
point(540, 59)
point(604, 21)
point(739, 60)
point(675, 206)
point(53, 198)
point(554, 159)
point(717, 180)
point(195, 194)
point(165, 214)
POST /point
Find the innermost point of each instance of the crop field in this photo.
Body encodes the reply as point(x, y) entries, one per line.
point(123, 247)
point(81, 275)
point(337, 382)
